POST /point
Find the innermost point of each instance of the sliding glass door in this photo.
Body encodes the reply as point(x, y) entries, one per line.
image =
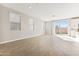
point(61, 26)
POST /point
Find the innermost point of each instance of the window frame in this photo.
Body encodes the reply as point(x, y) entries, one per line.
point(18, 23)
point(67, 26)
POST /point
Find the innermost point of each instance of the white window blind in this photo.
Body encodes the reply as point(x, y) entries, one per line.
point(15, 21)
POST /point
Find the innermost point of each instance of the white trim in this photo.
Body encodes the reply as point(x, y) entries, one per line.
point(21, 38)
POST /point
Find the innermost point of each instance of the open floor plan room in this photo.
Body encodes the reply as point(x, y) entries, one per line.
point(39, 29)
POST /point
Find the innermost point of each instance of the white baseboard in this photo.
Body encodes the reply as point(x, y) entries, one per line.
point(20, 38)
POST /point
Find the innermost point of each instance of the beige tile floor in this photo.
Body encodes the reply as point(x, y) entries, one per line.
point(40, 46)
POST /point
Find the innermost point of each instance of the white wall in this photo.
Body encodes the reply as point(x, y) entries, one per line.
point(0, 26)
point(74, 27)
point(38, 26)
point(48, 27)
point(8, 35)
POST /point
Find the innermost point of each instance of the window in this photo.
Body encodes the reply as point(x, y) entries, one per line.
point(61, 26)
point(15, 21)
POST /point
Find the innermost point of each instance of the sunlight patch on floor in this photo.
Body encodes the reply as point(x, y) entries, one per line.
point(68, 38)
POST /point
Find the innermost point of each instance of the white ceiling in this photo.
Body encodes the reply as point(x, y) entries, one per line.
point(46, 11)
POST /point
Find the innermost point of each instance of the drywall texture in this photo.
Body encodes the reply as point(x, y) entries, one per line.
point(8, 35)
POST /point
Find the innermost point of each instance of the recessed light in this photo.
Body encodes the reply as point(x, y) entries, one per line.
point(28, 6)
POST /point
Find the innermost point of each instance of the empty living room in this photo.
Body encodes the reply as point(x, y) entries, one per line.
point(39, 29)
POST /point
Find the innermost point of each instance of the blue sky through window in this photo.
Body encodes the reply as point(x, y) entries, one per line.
point(62, 23)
